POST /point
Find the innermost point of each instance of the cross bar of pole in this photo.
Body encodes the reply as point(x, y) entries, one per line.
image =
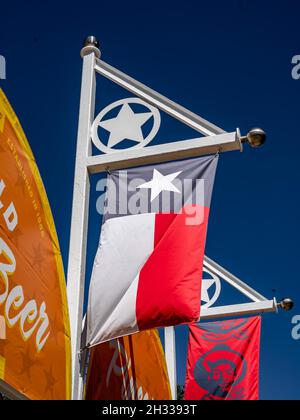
point(243, 309)
point(165, 152)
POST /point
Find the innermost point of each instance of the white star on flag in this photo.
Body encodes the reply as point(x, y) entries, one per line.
point(127, 125)
point(206, 284)
point(160, 183)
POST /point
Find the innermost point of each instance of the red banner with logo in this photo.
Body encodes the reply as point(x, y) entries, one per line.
point(223, 360)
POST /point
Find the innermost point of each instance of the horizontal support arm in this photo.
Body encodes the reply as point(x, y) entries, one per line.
point(252, 308)
point(164, 152)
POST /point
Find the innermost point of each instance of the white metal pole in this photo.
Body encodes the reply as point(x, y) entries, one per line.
point(79, 224)
point(170, 354)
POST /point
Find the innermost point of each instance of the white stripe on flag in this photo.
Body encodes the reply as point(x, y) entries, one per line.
point(126, 244)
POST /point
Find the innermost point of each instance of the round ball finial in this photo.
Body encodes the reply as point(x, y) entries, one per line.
point(256, 137)
point(287, 304)
point(91, 44)
point(91, 40)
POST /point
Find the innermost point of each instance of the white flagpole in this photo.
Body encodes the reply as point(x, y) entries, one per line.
point(79, 224)
point(170, 354)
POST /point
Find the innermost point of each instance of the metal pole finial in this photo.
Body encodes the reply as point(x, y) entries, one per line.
point(287, 304)
point(255, 137)
point(91, 44)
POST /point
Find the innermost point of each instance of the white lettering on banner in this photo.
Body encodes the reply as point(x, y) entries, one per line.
point(129, 386)
point(11, 217)
point(10, 214)
point(13, 300)
point(2, 186)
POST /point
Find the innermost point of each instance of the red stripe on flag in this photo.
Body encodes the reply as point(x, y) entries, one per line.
point(169, 288)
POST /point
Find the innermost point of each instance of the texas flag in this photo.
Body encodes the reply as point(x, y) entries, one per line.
point(148, 268)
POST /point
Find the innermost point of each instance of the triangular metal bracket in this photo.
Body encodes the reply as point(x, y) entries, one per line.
point(214, 139)
point(258, 304)
point(156, 99)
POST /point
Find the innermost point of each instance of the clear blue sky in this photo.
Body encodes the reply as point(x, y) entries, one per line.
point(228, 61)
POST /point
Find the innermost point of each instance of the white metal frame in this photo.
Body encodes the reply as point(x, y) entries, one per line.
point(79, 224)
point(258, 304)
point(156, 99)
point(215, 140)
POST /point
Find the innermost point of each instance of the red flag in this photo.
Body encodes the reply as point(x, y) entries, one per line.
point(223, 360)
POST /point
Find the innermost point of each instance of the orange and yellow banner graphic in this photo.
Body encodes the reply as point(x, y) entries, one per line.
point(129, 368)
point(34, 324)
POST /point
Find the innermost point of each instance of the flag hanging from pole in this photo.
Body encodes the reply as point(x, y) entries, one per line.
point(148, 268)
point(223, 360)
